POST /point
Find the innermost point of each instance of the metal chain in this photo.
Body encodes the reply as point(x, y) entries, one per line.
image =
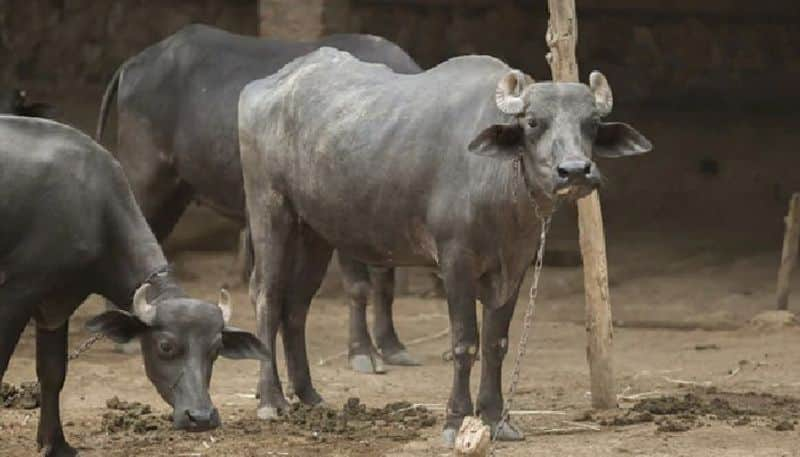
point(527, 324)
point(89, 342)
point(85, 346)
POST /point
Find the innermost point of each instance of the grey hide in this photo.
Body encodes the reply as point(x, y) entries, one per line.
point(178, 143)
point(443, 169)
point(71, 228)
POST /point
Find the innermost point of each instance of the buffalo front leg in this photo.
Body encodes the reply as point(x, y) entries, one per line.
point(460, 284)
point(361, 354)
point(15, 317)
point(51, 369)
point(273, 232)
point(494, 333)
point(392, 350)
point(310, 264)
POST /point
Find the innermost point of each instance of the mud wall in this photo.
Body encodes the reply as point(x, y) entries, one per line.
point(78, 42)
point(700, 53)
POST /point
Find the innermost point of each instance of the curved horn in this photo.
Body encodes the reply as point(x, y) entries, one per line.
point(141, 308)
point(225, 305)
point(509, 92)
point(603, 98)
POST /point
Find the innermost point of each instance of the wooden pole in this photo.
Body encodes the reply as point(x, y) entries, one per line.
point(562, 38)
point(791, 239)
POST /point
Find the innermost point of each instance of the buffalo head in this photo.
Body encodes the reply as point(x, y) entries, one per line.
point(556, 129)
point(180, 339)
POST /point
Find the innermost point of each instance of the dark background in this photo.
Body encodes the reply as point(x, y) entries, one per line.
point(713, 83)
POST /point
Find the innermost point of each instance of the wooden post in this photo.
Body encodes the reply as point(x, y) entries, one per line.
point(791, 239)
point(562, 37)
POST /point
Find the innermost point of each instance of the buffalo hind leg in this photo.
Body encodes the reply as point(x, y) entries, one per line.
point(392, 350)
point(273, 230)
point(166, 217)
point(311, 259)
point(51, 369)
point(460, 283)
point(361, 353)
point(494, 333)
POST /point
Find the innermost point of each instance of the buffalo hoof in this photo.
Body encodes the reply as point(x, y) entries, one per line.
point(449, 437)
point(62, 450)
point(268, 413)
point(310, 397)
point(369, 364)
point(401, 358)
point(507, 433)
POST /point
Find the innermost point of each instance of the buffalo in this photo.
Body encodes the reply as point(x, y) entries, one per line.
point(178, 143)
point(453, 168)
point(72, 228)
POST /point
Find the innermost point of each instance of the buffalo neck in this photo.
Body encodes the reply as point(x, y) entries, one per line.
point(536, 199)
point(131, 256)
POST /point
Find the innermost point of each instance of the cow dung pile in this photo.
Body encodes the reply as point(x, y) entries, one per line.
point(132, 416)
point(680, 413)
point(399, 420)
point(26, 396)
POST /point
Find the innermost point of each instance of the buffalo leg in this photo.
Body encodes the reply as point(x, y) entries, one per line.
point(392, 350)
point(15, 317)
point(51, 369)
point(273, 231)
point(166, 217)
point(460, 284)
point(494, 347)
point(310, 264)
point(361, 353)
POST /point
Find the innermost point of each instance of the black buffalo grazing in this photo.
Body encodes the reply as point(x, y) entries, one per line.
point(178, 142)
point(72, 228)
point(445, 169)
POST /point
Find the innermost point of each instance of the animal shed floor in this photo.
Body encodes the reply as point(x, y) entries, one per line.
point(679, 282)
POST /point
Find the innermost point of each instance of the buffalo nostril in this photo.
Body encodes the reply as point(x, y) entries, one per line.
point(201, 418)
point(587, 169)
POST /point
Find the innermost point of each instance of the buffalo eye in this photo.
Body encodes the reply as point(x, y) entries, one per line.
point(532, 123)
point(167, 348)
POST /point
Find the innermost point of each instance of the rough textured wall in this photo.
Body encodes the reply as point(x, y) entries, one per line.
point(725, 52)
point(68, 42)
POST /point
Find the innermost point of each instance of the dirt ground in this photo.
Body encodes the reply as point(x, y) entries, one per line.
point(735, 373)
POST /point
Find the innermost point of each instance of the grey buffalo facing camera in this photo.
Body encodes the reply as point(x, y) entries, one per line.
point(445, 169)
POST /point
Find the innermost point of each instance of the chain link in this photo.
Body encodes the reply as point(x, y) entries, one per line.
point(85, 346)
point(526, 327)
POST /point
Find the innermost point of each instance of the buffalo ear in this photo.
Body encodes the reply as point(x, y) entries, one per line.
point(238, 344)
point(118, 325)
point(615, 139)
point(499, 140)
